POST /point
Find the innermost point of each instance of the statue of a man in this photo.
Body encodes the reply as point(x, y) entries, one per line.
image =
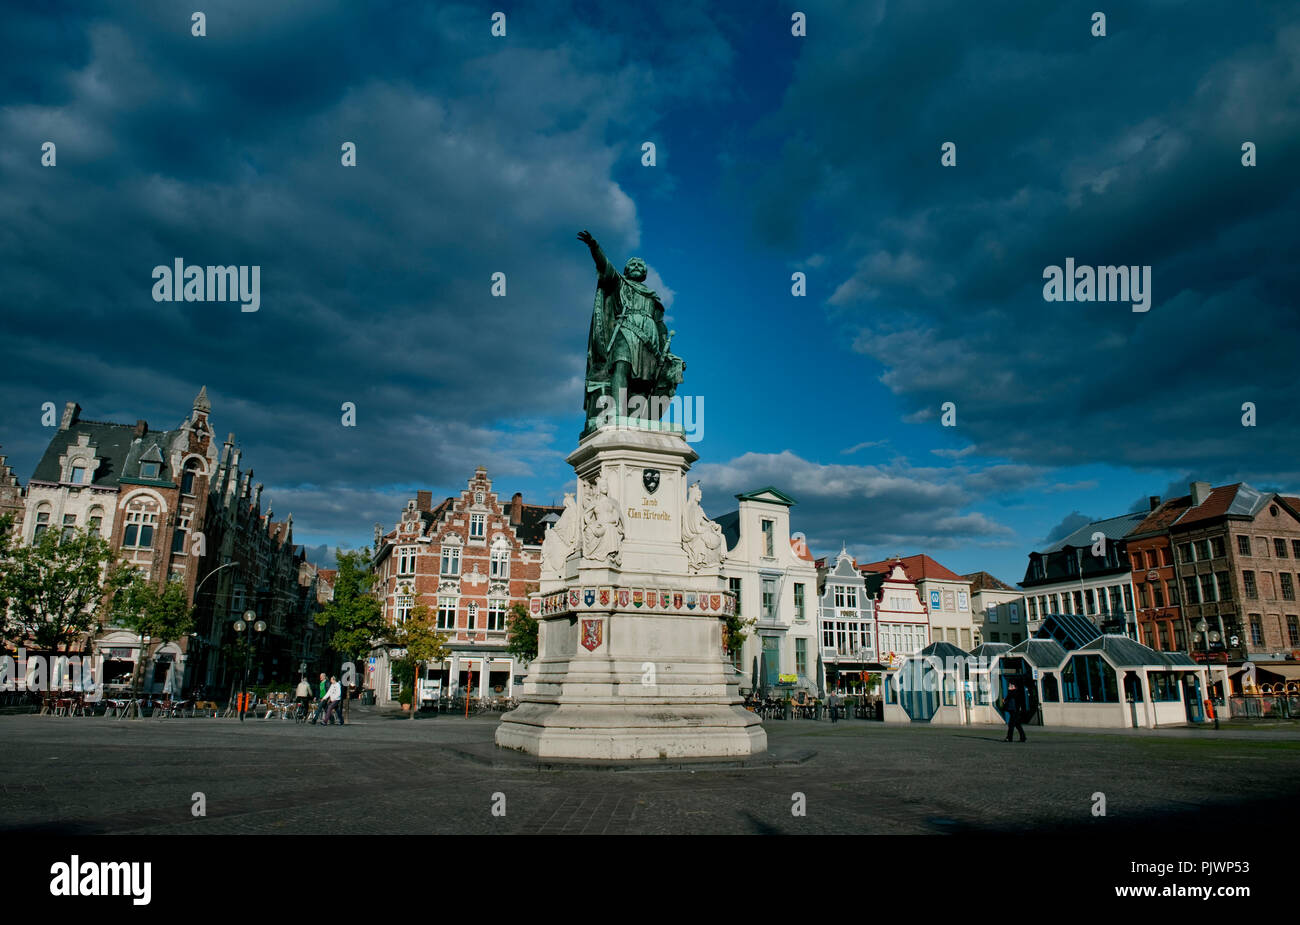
point(627, 345)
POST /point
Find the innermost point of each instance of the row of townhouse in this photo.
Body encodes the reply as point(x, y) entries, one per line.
point(1213, 573)
point(816, 621)
point(177, 508)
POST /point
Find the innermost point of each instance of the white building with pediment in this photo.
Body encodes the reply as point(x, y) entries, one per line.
point(774, 579)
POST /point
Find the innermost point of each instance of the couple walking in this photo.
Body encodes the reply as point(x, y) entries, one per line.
point(331, 699)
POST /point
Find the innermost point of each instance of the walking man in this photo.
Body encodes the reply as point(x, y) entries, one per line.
point(333, 696)
point(321, 703)
point(1013, 704)
point(834, 703)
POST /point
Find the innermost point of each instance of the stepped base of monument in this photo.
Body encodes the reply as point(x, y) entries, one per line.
point(632, 731)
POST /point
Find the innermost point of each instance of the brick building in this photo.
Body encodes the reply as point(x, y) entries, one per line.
point(1238, 554)
point(468, 559)
point(175, 509)
point(1155, 579)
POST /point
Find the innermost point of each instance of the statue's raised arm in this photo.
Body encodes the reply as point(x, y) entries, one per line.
point(604, 268)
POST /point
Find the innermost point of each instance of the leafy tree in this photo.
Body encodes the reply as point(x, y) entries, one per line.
point(354, 620)
point(423, 643)
point(735, 629)
point(57, 588)
point(521, 633)
point(164, 616)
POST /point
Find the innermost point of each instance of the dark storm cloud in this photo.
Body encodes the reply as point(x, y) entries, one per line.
point(475, 155)
point(1117, 150)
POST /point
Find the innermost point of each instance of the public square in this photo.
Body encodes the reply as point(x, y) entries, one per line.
point(387, 775)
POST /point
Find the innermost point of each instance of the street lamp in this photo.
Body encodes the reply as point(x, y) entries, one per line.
point(249, 624)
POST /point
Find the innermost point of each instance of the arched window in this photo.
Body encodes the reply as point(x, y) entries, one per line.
point(42, 521)
point(192, 472)
point(141, 520)
point(95, 520)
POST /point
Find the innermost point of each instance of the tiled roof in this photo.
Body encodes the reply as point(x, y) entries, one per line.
point(1163, 516)
point(800, 549)
point(983, 581)
point(917, 567)
point(1237, 500)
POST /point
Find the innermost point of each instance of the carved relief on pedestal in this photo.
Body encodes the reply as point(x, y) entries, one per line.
point(561, 540)
point(701, 538)
point(602, 524)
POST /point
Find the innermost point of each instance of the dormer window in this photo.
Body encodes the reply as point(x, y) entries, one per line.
point(78, 474)
point(149, 470)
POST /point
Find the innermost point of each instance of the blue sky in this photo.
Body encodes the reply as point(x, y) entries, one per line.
point(775, 154)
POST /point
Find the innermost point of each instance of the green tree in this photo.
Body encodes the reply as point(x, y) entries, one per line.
point(57, 589)
point(521, 633)
point(354, 619)
point(735, 629)
point(423, 643)
point(162, 615)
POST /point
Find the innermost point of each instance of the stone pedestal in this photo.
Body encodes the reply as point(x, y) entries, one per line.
point(630, 638)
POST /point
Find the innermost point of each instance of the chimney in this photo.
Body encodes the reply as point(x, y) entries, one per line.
point(71, 412)
point(1154, 500)
point(517, 508)
point(424, 501)
point(141, 427)
point(1200, 491)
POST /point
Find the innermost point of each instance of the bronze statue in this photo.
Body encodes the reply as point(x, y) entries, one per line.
point(628, 361)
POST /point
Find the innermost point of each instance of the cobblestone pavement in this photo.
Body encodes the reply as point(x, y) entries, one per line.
point(435, 776)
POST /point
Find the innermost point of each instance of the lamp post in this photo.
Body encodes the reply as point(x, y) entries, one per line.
point(249, 624)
